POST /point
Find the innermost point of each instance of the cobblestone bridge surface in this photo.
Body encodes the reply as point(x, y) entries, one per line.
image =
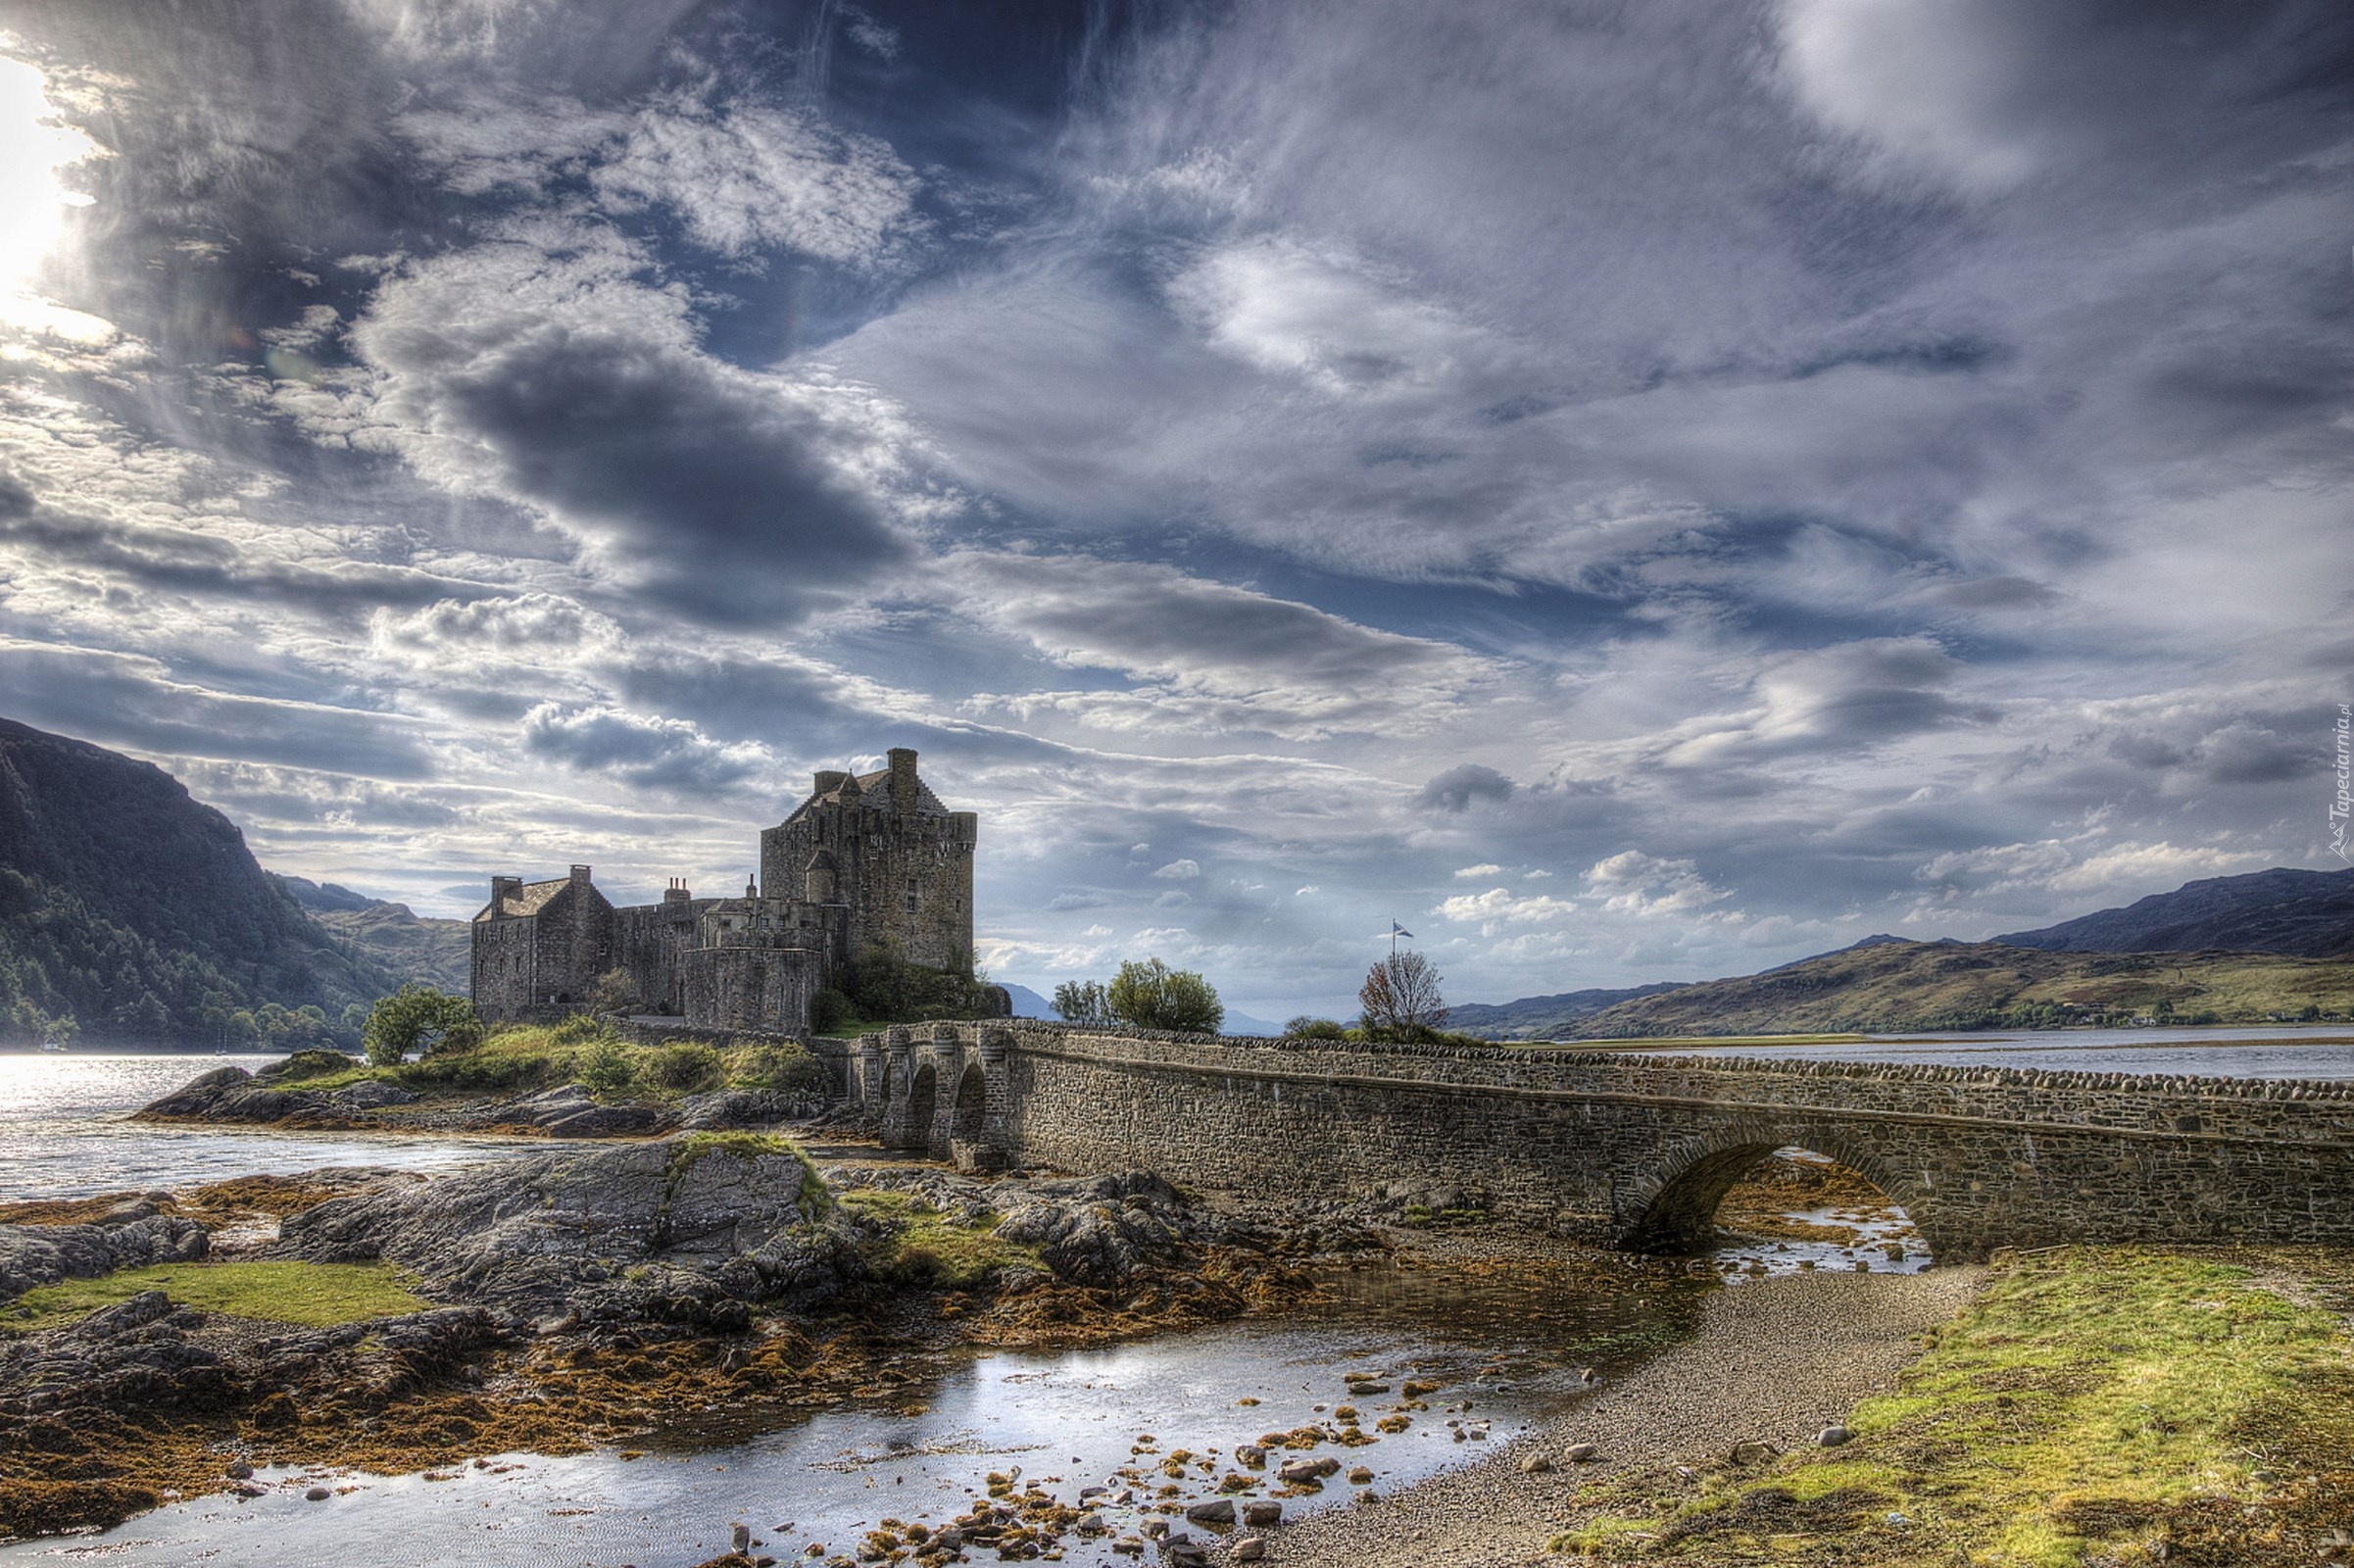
point(1627, 1150)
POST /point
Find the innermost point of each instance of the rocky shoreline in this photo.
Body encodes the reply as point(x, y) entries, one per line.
point(596, 1290)
point(579, 1297)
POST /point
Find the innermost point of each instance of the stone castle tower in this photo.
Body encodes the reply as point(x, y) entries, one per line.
point(867, 861)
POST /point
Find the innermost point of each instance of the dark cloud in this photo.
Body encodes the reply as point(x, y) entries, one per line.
point(1456, 789)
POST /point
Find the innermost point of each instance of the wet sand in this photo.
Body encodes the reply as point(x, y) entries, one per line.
point(1776, 1360)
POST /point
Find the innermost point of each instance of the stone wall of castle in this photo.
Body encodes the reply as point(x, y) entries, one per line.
point(524, 963)
point(651, 941)
point(862, 862)
point(884, 853)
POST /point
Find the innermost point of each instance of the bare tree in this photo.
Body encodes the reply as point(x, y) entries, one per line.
point(1401, 993)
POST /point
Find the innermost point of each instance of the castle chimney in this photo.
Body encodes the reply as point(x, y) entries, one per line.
point(829, 779)
point(503, 888)
point(580, 876)
point(904, 788)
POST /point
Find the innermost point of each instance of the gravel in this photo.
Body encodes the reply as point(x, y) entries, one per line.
point(1776, 1360)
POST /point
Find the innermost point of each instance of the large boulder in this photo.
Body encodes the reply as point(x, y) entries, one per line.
point(673, 1230)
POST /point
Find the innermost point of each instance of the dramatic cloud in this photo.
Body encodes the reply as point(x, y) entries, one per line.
point(1629, 492)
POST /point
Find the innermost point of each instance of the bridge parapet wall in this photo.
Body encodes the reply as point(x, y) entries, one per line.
point(1624, 1148)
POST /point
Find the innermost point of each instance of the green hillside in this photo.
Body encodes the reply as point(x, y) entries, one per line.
point(410, 946)
point(131, 914)
point(1900, 987)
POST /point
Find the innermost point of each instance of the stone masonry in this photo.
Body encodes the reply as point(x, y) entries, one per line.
point(1634, 1151)
point(867, 861)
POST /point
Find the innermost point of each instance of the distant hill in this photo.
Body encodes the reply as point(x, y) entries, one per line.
point(412, 947)
point(1544, 1017)
point(1900, 987)
point(1027, 1003)
point(133, 914)
point(2309, 914)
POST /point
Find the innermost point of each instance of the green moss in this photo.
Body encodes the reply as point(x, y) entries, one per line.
point(312, 1295)
point(928, 1249)
point(2090, 1404)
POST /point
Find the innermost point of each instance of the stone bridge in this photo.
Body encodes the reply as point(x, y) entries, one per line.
point(1624, 1150)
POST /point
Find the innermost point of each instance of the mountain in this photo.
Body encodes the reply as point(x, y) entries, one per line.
point(412, 947)
point(2309, 914)
point(1903, 986)
point(1027, 1003)
point(1542, 1017)
point(131, 913)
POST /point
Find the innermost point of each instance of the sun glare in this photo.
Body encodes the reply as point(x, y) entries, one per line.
point(34, 148)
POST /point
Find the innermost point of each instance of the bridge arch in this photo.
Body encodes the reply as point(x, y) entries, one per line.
point(1673, 1208)
point(968, 1116)
point(923, 1103)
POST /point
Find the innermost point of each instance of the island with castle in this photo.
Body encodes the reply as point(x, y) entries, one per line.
point(869, 863)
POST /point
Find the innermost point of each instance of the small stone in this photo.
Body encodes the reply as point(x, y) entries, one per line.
point(1537, 1464)
point(1753, 1452)
point(1249, 1548)
point(319, 1495)
point(739, 1538)
point(240, 1471)
point(1360, 1477)
point(1261, 1514)
point(1217, 1511)
point(1834, 1435)
point(1581, 1453)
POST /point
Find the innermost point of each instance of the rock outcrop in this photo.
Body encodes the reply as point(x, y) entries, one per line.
point(134, 1236)
point(686, 1231)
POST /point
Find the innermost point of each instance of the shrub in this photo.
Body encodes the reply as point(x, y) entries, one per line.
point(686, 1067)
point(1304, 1027)
point(785, 1068)
point(1153, 995)
point(581, 1028)
point(423, 1019)
point(313, 1063)
point(608, 1067)
point(831, 1009)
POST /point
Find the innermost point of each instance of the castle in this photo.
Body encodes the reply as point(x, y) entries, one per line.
point(867, 861)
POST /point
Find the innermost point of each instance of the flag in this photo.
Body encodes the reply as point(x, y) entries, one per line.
point(1397, 930)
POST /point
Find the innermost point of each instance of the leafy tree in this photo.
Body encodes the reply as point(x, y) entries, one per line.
point(1400, 995)
point(423, 1019)
point(1153, 995)
point(613, 991)
point(1082, 1002)
point(1307, 1026)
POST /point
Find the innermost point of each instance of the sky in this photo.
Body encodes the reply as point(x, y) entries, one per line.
point(1628, 492)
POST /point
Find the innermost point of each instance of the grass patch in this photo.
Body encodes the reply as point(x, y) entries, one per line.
point(310, 1295)
point(2102, 1405)
point(930, 1248)
point(522, 1058)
